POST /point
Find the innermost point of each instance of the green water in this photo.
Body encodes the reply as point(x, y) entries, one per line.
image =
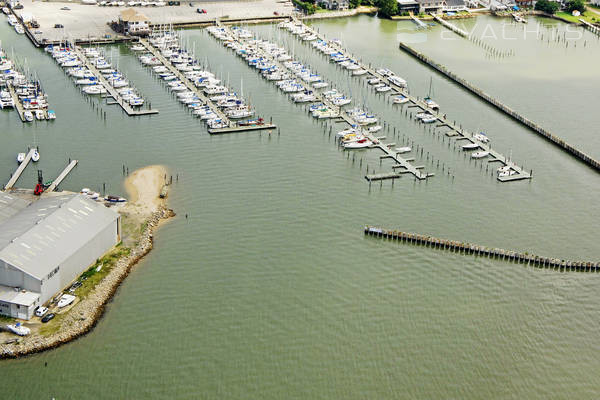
point(270, 290)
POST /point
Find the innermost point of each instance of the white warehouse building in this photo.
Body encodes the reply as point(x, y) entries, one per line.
point(46, 244)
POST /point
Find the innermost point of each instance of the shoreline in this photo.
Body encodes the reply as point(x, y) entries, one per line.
point(84, 315)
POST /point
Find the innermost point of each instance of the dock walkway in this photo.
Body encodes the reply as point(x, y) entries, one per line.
point(450, 26)
point(129, 110)
point(417, 21)
point(15, 177)
point(62, 176)
point(17, 101)
point(454, 131)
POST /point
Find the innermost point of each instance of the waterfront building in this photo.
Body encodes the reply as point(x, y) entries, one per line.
point(48, 243)
point(455, 5)
point(408, 6)
point(335, 4)
point(133, 23)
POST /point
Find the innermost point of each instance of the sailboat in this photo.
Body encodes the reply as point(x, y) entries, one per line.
point(428, 101)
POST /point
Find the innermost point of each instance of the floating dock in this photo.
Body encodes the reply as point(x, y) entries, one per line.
point(474, 249)
point(62, 176)
point(15, 177)
point(442, 122)
point(342, 115)
point(237, 129)
point(112, 92)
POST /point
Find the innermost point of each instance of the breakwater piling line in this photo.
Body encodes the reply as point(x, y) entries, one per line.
point(478, 250)
point(504, 108)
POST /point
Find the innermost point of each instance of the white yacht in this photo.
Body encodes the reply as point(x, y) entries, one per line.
point(66, 299)
point(480, 154)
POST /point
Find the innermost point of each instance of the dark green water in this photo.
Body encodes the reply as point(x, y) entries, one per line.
point(270, 290)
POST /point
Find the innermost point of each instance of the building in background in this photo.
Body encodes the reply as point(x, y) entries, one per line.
point(335, 4)
point(47, 244)
point(133, 23)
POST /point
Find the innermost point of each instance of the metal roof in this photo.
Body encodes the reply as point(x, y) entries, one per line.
point(22, 297)
point(10, 205)
point(41, 236)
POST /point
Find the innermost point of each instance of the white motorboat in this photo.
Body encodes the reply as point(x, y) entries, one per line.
point(504, 168)
point(375, 128)
point(481, 137)
point(28, 116)
point(35, 157)
point(5, 10)
point(402, 150)
point(51, 115)
point(40, 115)
point(429, 119)
point(359, 144)
point(359, 72)
point(396, 80)
point(19, 29)
point(12, 20)
point(345, 132)
point(480, 154)
point(383, 89)
point(510, 172)
point(65, 300)
point(373, 81)
point(401, 99)
point(21, 157)
point(19, 329)
point(470, 146)
point(320, 85)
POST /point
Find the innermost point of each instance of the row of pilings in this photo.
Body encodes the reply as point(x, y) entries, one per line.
point(504, 108)
point(474, 249)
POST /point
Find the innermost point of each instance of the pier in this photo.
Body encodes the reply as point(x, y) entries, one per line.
point(453, 130)
point(62, 176)
point(319, 98)
point(450, 26)
point(17, 174)
point(129, 110)
point(504, 108)
point(17, 101)
point(590, 27)
point(483, 251)
point(420, 24)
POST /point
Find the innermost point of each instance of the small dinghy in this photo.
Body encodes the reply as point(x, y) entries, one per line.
point(470, 146)
point(35, 157)
point(20, 157)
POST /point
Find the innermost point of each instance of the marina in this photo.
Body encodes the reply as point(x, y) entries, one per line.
point(278, 66)
point(266, 273)
point(22, 93)
point(428, 110)
point(198, 95)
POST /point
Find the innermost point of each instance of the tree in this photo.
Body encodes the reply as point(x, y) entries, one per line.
point(546, 6)
point(354, 3)
point(573, 5)
point(387, 8)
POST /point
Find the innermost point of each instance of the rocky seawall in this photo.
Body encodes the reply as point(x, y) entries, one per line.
point(84, 315)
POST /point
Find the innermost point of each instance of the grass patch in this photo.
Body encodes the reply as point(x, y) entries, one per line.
point(52, 326)
point(586, 16)
point(6, 320)
point(93, 277)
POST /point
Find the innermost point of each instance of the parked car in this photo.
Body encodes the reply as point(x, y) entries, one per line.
point(65, 8)
point(59, 26)
point(74, 287)
point(48, 318)
point(18, 6)
point(201, 11)
point(41, 311)
point(275, 13)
